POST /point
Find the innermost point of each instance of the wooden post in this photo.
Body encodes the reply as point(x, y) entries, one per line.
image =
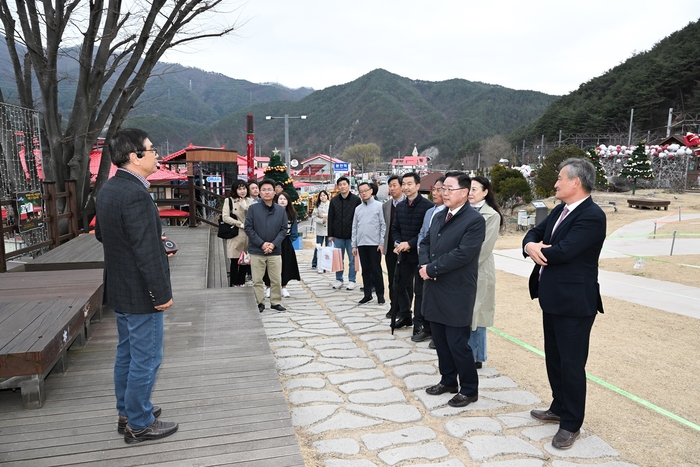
point(52, 213)
point(72, 206)
point(192, 200)
point(3, 260)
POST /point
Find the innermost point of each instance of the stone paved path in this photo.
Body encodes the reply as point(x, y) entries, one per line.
point(358, 393)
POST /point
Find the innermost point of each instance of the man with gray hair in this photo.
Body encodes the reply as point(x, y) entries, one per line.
point(565, 248)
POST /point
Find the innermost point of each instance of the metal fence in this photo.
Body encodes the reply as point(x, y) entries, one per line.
point(20, 170)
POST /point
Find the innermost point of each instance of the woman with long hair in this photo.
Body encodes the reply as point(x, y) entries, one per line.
point(233, 212)
point(319, 218)
point(482, 199)
point(290, 267)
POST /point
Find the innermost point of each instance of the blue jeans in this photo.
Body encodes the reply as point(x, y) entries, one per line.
point(139, 353)
point(477, 341)
point(320, 240)
point(345, 245)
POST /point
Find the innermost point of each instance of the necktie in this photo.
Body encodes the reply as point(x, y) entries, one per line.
point(449, 216)
point(564, 212)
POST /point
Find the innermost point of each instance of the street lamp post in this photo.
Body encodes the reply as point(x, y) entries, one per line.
point(286, 135)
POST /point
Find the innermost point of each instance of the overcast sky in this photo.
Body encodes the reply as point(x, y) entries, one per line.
point(548, 46)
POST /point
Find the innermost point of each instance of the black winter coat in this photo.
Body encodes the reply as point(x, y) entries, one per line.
point(340, 215)
point(407, 223)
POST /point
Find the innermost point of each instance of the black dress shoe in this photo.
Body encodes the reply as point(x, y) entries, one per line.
point(380, 300)
point(565, 439)
point(261, 307)
point(278, 308)
point(421, 336)
point(478, 365)
point(407, 321)
point(431, 345)
point(365, 300)
point(440, 389)
point(545, 415)
point(157, 430)
point(388, 314)
point(122, 421)
point(460, 400)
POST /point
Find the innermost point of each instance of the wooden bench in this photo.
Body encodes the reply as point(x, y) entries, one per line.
point(43, 314)
point(648, 204)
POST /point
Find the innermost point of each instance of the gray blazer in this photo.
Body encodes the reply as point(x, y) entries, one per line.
point(136, 273)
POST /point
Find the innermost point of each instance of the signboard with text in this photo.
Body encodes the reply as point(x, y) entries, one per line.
point(341, 166)
point(31, 213)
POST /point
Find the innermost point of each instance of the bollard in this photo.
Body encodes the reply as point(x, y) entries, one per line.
point(654, 229)
point(679, 213)
point(672, 243)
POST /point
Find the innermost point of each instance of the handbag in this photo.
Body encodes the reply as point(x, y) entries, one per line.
point(325, 258)
point(227, 230)
point(244, 259)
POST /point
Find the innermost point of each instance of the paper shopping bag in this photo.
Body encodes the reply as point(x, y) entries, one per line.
point(325, 258)
point(357, 263)
point(337, 260)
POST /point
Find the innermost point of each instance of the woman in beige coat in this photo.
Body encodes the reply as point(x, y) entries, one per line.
point(233, 212)
point(482, 199)
point(319, 218)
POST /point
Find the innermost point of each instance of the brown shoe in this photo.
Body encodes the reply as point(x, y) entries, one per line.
point(565, 439)
point(545, 415)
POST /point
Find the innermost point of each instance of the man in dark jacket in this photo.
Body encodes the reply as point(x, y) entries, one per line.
point(405, 229)
point(341, 212)
point(266, 227)
point(565, 248)
point(449, 258)
point(136, 283)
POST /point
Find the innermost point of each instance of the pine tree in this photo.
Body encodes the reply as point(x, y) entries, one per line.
point(277, 171)
point(600, 179)
point(637, 166)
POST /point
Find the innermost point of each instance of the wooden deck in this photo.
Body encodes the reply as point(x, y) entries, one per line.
point(218, 381)
point(83, 252)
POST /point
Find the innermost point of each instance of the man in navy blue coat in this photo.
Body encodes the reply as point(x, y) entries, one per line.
point(565, 248)
point(136, 282)
point(449, 264)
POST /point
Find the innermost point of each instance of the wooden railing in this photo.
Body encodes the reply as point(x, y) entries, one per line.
point(51, 217)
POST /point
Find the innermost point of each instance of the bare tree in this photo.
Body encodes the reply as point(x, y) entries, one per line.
point(116, 45)
point(362, 155)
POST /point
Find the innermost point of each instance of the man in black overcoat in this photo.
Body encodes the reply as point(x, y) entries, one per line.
point(565, 248)
point(449, 264)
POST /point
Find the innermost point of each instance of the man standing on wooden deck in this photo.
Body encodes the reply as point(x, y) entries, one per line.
point(136, 282)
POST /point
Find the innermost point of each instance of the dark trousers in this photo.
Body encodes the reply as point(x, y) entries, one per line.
point(390, 259)
point(409, 278)
point(371, 262)
point(455, 358)
point(238, 273)
point(566, 342)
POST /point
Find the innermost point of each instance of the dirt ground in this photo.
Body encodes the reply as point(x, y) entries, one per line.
point(646, 352)
point(649, 354)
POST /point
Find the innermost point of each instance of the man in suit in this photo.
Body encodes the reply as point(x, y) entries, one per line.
point(449, 263)
point(136, 282)
point(389, 209)
point(565, 248)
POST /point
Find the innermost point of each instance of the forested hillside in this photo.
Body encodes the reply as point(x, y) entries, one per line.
point(649, 82)
point(391, 111)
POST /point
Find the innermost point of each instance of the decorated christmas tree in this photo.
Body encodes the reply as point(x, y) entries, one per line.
point(600, 179)
point(637, 166)
point(277, 171)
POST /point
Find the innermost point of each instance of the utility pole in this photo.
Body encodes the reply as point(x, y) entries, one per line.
point(629, 138)
point(670, 119)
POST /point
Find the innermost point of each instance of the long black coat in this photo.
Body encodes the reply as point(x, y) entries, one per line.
point(451, 252)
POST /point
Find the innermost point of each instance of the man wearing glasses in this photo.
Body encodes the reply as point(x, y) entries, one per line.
point(449, 263)
point(368, 230)
point(136, 282)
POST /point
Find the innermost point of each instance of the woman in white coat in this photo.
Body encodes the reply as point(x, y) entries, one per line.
point(319, 217)
point(233, 212)
point(482, 199)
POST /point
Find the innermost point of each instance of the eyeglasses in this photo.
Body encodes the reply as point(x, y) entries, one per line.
point(451, 190)
point(365, 191)
point(140, 153)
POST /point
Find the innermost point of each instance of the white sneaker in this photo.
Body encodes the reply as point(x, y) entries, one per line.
point(320, 271)
point(352, 285)
point(338, 285)
point(285, 294)
point(267, 293)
